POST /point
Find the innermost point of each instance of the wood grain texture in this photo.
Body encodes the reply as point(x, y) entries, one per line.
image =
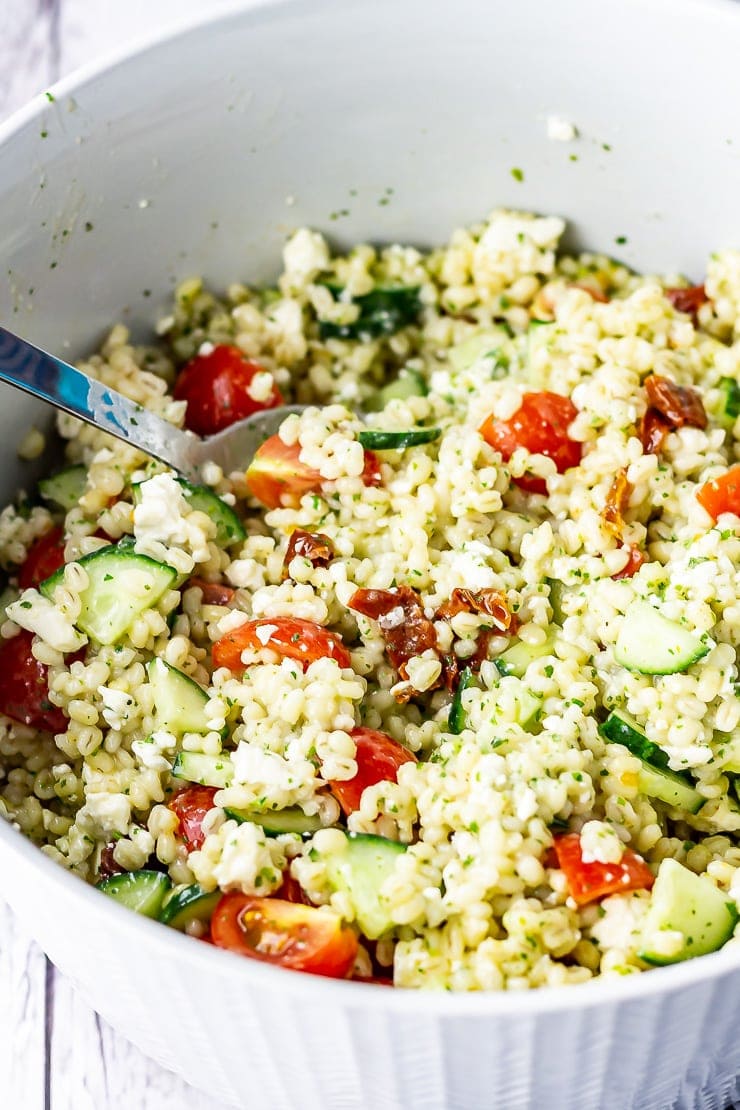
point(55, 1052)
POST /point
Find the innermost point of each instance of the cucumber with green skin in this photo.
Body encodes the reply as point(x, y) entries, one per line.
point(409, 383)
point(276, 822)
point(656, 779)
point(731, 396)
point(482, 345)
point(122, 585)
point(382, 311)
point(179, 702)
point(206, 770)
point(516, 659)
point(66, 487)
point(229, 529)
point(376, 440)
point(691, 905)
point(650, 643)
point(188, 904)
point(456, 720)
point(359, 871)
point(142, 891)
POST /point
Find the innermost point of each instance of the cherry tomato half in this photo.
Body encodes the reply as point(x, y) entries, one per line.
point(290, 637)
point(540, 425)
point(24, 686)
point(277, 477)
point(635, 559)
point(587, 882)
point(44, 557)
point(378, 758)
point(191, 805)
point(722, 494)
point(285, 933)
point(216, 388)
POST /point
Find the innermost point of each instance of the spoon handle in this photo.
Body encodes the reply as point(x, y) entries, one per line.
point(33, 370)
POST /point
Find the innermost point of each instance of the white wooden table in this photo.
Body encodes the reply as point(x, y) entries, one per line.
point(55, 1052)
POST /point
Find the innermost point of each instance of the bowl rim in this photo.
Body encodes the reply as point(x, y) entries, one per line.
point(168, 943)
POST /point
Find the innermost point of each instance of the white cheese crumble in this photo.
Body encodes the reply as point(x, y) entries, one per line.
point(161, 520)
point(37, 614)
point(305, 255)
point(560, 130)
point(150, 752)
point(117, 706)
point(600, 843)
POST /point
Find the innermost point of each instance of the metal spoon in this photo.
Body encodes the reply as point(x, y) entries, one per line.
point(55, 381)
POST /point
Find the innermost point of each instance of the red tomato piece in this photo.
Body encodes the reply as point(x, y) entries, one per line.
point(216, 388)
point(285, 933)
point(378, 759)
point(290, 637)
point(540, 425)
point(190, 806)
point(588, 882)
point(277, 477)
point(24, 686)
point(214, 593)
point(722, 494)
point(44, 557)
point(634, 562)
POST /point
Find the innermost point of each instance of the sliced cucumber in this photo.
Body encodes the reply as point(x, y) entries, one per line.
point(179, 702)
point(122, 585)
point(483, 345)
point(670, 788)
point(141, 891)
point(650, 643)
point(278, 821)
point(383, 311)
point(517, 658)
point(558, 591)
point(457, 716)
point(731, 391)
point(360, 871)
point(688, 904)
point(191, 903)
point(409, 383)
point(376, 440)
point(66, 487)
point(206, 770)
point(528, 706)
point(621, 728)
point(229, 529)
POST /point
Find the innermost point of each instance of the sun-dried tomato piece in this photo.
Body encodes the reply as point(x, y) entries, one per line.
point(636, 558)
point(653, 430)
point(214, 593)
point(108, 865)
point(679, 404)
point(488, 603)
point(688, 300)
point(617, 500)
point(399, 612)
point(314, 546)
point(593, 289)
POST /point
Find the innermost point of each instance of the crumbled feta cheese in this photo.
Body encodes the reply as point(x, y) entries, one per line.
point(110, 812)
point(560, 130)
point(206, 348)
point(392, 619)
point(600, 843)
point(37, 614)
point(257, 767)
point(261, 386)
point(161, 518)
point(117, 706)
point(305, 255)
point(150, 752)
point(264, 632)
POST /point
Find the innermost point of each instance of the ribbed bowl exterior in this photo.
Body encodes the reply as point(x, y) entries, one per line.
point(335, 99)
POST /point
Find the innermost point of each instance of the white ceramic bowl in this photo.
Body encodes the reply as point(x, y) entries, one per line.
point(196, 155)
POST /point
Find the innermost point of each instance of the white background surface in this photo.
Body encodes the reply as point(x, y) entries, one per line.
point(55, 1052)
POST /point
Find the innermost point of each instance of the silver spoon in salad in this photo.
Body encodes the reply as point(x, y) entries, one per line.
point(53, 380)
